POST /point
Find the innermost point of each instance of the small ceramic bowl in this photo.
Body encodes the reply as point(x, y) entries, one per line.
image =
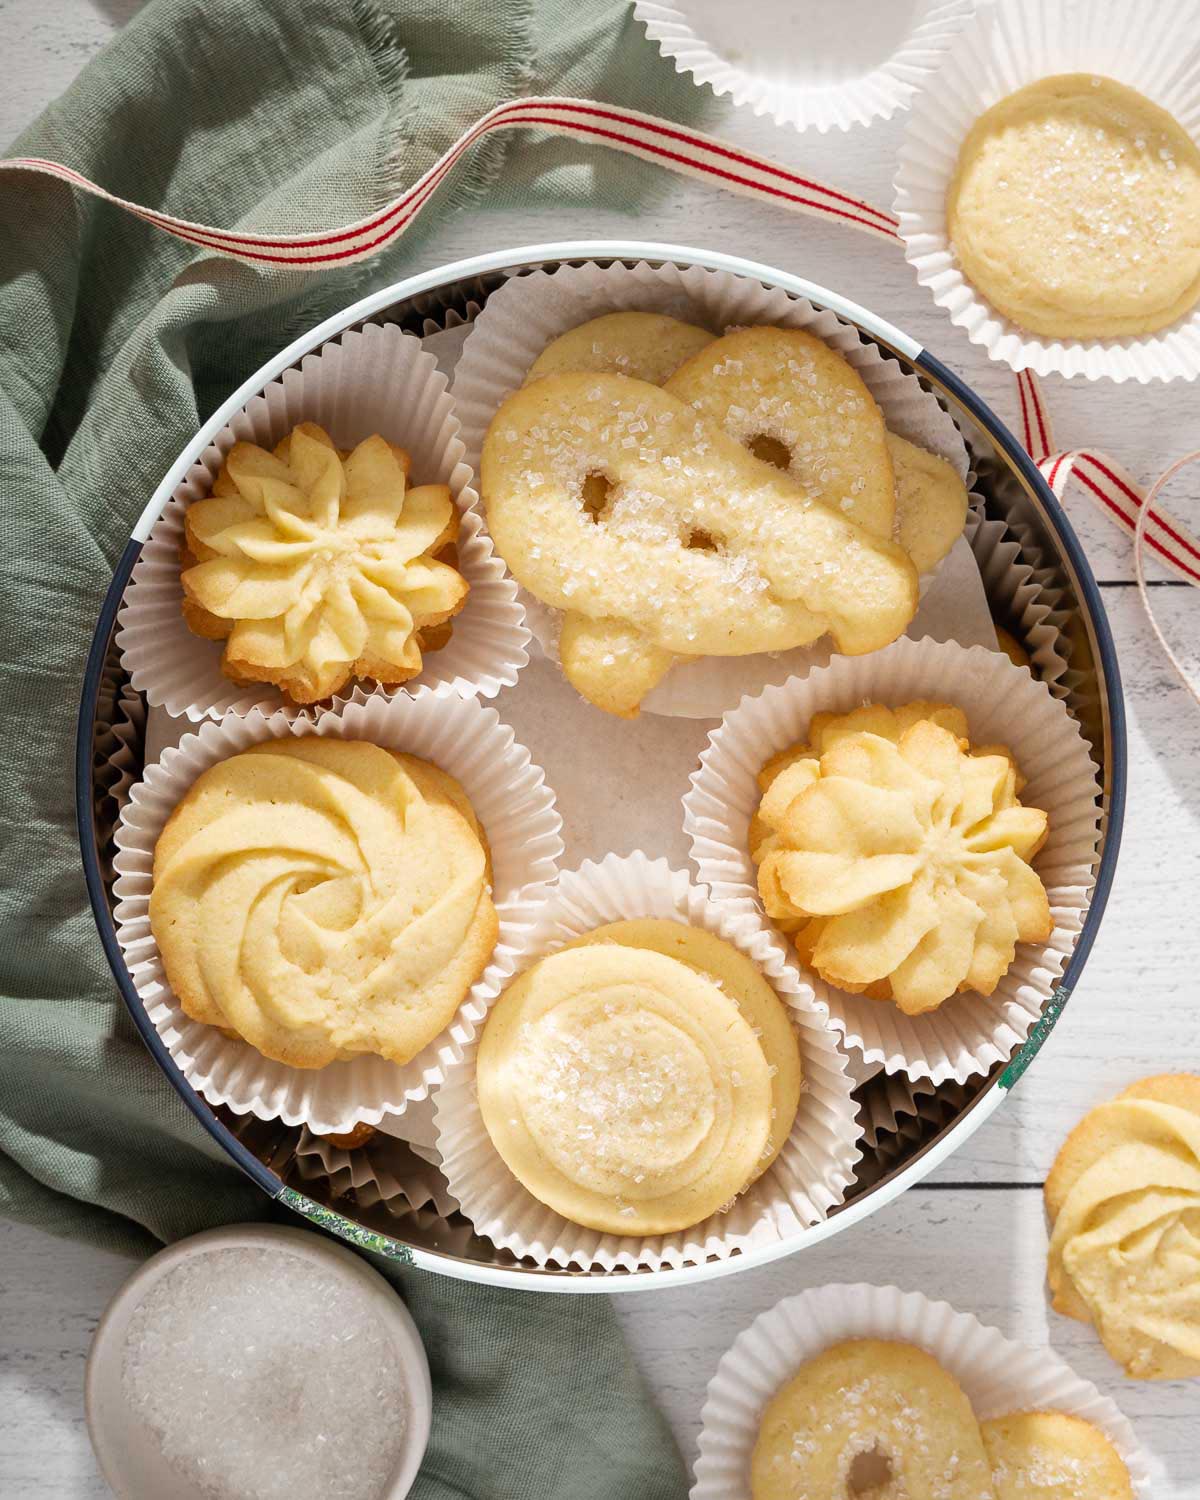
point(130, 1459)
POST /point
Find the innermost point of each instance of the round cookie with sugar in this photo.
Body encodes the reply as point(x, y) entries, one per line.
point(1050, 1455)
point(742, 980)
point(700, 549)
point(624, 1089)
point(1075, 210)
point(870, 1416)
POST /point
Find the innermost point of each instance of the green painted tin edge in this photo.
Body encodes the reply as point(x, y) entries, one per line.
point(1033, 1043)
point(355, 1234)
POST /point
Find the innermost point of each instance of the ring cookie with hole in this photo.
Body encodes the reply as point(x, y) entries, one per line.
point(809, 413)
point(660, 536)
point(639, 1079)
point(870, 1417)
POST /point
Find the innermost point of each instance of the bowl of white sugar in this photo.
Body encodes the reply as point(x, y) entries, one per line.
point(258, 1363)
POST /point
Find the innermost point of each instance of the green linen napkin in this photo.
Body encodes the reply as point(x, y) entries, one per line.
point(115, 342)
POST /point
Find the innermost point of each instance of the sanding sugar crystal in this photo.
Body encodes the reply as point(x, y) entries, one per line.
point(263, 1374)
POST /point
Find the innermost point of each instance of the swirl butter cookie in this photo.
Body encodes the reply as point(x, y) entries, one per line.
point(623, 1082)
point(316, 566)
point(323, 898)
point(1048, 1455)
point(1075, 210)
point(870, 1417)
point(898, 857)
point(698, 547)
point(1123, 1198)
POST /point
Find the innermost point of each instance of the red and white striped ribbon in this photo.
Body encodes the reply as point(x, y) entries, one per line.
point(695, 155)
point(1112, 487)
point(643, 136)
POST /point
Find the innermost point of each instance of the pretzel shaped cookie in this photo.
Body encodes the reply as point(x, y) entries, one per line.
point(660, 536)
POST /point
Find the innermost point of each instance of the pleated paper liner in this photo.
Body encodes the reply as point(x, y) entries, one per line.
point(1004, 704)
point(811, 1173)
point(998, 1375)
point(515, 807)
point(524, 315)
point(397, 1168)
point(1004, 48)
point(813, 66)
point(1023, 601)
point(373, 380)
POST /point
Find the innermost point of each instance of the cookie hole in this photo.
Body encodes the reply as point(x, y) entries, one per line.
point(595, 495)
point(770, 450)
point(870, 1473)
point(701, 541)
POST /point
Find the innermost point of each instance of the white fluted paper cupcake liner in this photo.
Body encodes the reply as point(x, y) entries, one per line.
point(523, 316)
point(372, 380)
point(1023, 600)
point(1004, 704)
point(816, 67)
point(998, 1375)
point(807, 1179)
point(515, 807)
point(1006, 47)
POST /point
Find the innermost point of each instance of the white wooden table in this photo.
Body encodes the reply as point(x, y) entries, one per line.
point(973, 1233)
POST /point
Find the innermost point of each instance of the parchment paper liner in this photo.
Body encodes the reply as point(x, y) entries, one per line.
point(372, 380)
point(1004, 48)
point(1004, 705)
point(808, 1178)
point(998, 1375)
point(524, 315)
point(811, 103)
point(515, 806)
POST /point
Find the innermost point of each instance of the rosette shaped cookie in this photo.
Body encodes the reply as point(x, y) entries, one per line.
point(870, 1417)
point(316, 566)
point(323, 898)
point(898, 857)
point(694, 547)
point(1048, 1455)
point(626, 1089)
point(1124, 1204)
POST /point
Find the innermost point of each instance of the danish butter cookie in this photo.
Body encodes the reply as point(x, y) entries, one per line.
point(699, 548)
point(624, 1087)
point(316, 566)
point(742, 981)
point(1048, 1455)
point(1123, 1198)
point(794, 402)
point(323, 898)
point(1075, 210)
point(897, 857)
point(870, 1417)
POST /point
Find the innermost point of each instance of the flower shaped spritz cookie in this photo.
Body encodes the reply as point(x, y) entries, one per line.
point(640, 1078)
point(1123, 1199)
point(323, 898)
point(317, 566)
point(898, 857)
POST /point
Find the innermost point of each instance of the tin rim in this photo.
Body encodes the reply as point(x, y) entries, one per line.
point(1070, 555)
